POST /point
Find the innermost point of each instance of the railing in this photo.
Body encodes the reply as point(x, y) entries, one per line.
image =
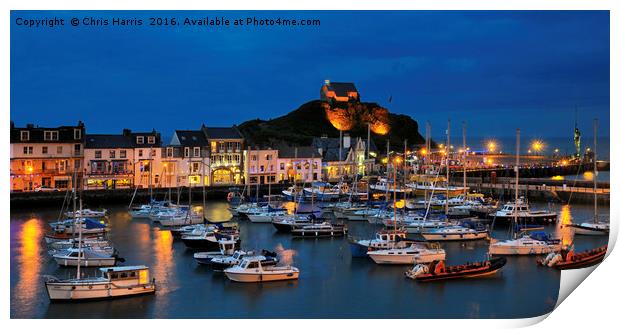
point(110, 172)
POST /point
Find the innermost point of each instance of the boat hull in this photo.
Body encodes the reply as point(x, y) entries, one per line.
point(385, 259)
point(93, 262)
point(522, 250)
point(67, 292)
point(454, 236)
point(261, 277)
point(581, 230)
point(494, 267)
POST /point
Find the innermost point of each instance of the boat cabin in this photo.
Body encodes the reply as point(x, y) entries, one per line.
point(126, 275)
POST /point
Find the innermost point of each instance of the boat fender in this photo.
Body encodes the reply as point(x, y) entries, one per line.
point(229, 197)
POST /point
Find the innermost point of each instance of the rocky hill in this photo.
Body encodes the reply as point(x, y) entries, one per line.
point(317, 118)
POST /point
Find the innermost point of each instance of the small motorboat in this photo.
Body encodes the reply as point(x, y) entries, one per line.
point(267, 258)
point(520, 211)
point(289, 222)
point(527, 244)
point(265, 217)
point(188, 229)
point(227, 248)
point(464, 232)
point(251, 269)
point(120, 281)
point(591, 228)
point(384, 239)
point(208, 240)
point(323, 230)
point(439, 271)
point(85, 257)
point(411, 255)
point(569, 259)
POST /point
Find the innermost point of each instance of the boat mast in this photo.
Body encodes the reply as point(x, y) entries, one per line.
point(79, 259)
point(464, 161)
point(447, 166)
point(394, 200)
point(514, 211)
point(367, 171)
point(405, 173)
point(204, 183)
point(387, 173)
point(151, 172)
point(595, 173)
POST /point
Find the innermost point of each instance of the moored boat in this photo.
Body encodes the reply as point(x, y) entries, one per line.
point(569, 259)
point(252, 270)
point(120, 281)
point(323, 230)
point(439, 271)
point(413, 254)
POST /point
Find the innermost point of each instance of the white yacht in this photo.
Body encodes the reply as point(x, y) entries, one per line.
point(455, 233)
point(266, 216)
point(524, 245)
point(252, 270)
point(88, 213)
point(114, 282)
point(411, 255)
point(84, 257)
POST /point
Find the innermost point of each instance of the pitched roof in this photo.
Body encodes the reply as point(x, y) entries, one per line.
point(330, 148)
point(37, 134)
point(302, 152)
point(222, 132)
point(191, 138)
point(107, 141)
point(341, 89)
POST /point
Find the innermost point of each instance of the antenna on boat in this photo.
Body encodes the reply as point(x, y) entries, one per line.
point(595, 173)
point(447, 166)
point(514, 211)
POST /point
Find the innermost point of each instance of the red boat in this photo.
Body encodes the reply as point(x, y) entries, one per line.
point(439, 271)
point(569, 259)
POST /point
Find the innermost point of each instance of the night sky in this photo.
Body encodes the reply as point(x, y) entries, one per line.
point(496, 70)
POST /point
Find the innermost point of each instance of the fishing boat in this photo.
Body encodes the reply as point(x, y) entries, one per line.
point(384, 239)
point(464, 232)
point(252, 270)
point(322, 230)
point(595, 226)
point(439, 271)
point(413, 254)
point(569, 259)
point(120, 281)
point(267, 258)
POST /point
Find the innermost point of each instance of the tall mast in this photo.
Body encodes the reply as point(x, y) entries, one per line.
point(387, 173)
point(394, 201)
point(340, 155)
point(447, 165)
point(257, 177)
point(464, 160)
point(595, 173)
point(366, 171)
point(204, 188)
point(79, 275)
point(151, 172)
point(517, 177)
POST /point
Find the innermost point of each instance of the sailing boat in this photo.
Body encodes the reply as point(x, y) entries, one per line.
point(465, 231)
point(525, 244)
point(594, 227)
point(114, 282)
point(412, 254)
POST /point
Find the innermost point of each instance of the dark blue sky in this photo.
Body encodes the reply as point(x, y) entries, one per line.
point(497, 70)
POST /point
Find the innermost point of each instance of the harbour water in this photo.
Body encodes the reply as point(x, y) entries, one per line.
point(332, 284)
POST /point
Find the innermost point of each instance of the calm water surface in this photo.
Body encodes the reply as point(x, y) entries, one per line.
point(332, 284)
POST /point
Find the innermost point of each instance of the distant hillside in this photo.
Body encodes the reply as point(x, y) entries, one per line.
point(298, 127)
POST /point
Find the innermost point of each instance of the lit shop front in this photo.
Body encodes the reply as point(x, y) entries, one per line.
point(107, 183)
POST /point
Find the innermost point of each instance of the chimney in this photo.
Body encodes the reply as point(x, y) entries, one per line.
point(126, 132)
point(30, 126)
point(346, 141)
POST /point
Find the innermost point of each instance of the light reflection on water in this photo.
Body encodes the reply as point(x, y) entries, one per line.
point(29, 260)
point(331, 284)
point(564, 232)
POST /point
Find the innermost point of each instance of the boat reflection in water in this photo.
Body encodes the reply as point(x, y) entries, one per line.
point(29, 259)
